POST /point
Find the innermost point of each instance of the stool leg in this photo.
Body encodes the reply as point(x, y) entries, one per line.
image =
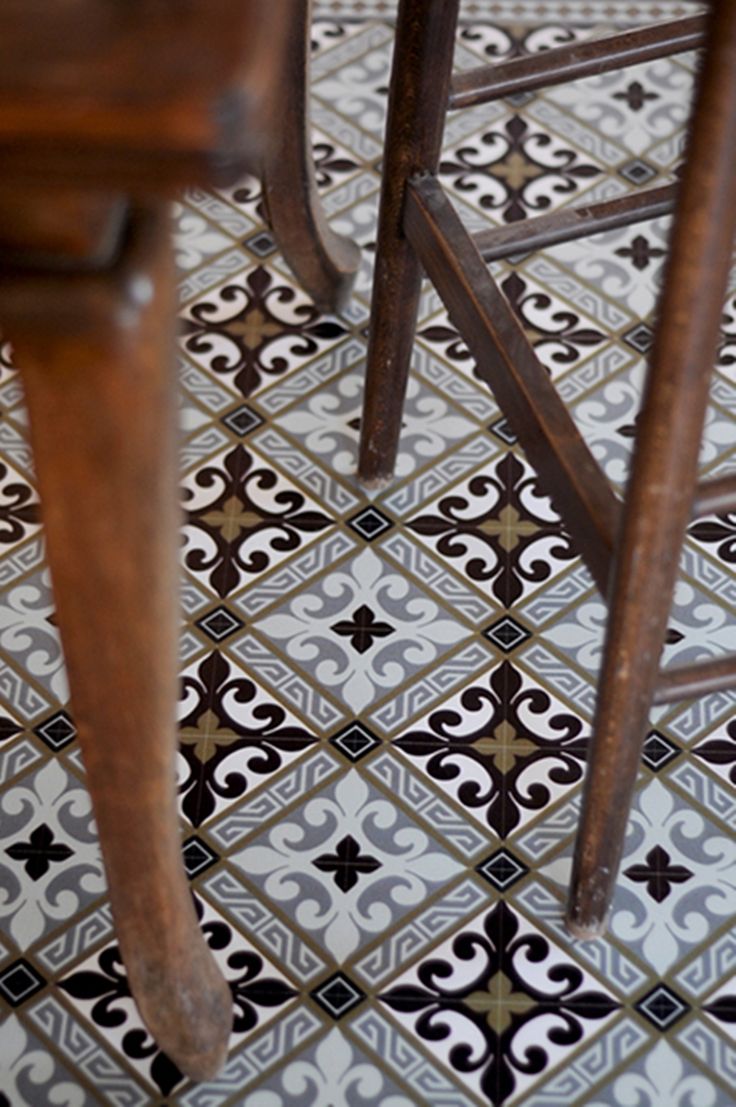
point(420, 82)
point(325, 263)
point(664, 471)
point(100, 390)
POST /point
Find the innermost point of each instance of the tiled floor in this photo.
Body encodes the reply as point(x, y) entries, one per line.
point(386, 702)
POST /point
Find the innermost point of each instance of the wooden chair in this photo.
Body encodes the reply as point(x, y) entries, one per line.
point(107, 110)
point(631, 549)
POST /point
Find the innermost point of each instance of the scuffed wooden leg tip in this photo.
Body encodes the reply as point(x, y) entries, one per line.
point(585, 932)
point(199, 1049)
point(201, 1058)
point(376, 484)
point(188, 1009)
point(202, 1069)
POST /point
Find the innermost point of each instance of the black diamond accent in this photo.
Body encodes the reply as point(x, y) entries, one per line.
point(355, 741)
point(659, 751)
point(637, 172)
point(662, 1007)
point(507, 634)
point(20, 981)
point(197, 856)
point(338, 995)
point(261, 244)
point(57, 731)
point(502, 430)
point(219, 623)
point(369, 523)
point(242, 420)
point(502, 869)
point(640, 338)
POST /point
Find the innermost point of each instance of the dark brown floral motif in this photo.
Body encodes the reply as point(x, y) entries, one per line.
point(241, 511)
point(209, 734)
point(640, 252)
point(107, 986)
point(720, 532)
point(635, 96)
point(723, 1009)
point(253, 324)
point(561, 331)
point(506, 531)
point(362, 628)
point(516, 40)
point(499, 1002)
point(721, 751)
point(512, 167)
point(39, 852)
point(249, 988)
point(658, 873)
point(503, 744)
point(328, 164)
point(327, 31)
point(347, 863)
point(727, 347)
point(8, 728)
point(17, 511)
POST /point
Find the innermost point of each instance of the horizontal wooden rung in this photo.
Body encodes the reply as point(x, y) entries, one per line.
point(574, 222)
point(688, 681)
point(715, 497)
point(577, 60)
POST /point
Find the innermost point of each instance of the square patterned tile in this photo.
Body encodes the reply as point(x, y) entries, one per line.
point(386, 700)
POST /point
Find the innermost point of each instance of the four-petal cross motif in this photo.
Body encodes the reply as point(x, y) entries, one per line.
point(346, 863)
point(635, 96)
point(362, 629)
point(658, 874)
point(39, 852)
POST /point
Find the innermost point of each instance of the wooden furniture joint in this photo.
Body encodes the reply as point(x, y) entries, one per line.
point(631, 547)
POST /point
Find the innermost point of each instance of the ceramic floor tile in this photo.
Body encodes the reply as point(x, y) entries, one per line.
point(386, 700)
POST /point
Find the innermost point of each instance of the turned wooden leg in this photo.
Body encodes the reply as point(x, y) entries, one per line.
point(325, 263)
point(420, 83)
point(95, 354)
point(662, 483)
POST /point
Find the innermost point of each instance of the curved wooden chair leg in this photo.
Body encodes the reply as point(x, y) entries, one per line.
point(97, 366)
point(325, 263)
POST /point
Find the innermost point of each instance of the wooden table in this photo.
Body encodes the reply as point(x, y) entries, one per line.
point(107, 109)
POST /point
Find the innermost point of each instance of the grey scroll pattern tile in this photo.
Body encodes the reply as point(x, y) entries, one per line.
point(386, 699)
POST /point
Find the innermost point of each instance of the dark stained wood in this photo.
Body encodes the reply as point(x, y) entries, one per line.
point(663, 477)
point(420, 81)
point(715, 497)
point(75, 230)
point(137, 94)
point(325, 263)
point(99, 383)
point(574, 222)
point(664, 492)
point(520, 383)
point(101, 101)
point(687, 681)
point(570, 63)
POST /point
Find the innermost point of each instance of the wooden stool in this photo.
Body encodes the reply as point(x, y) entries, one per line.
point(107, 110)
point(632, 550)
